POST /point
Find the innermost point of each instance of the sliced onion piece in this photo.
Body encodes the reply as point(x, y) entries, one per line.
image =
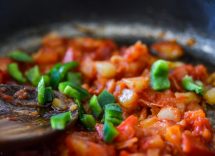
point(105, 69)
point(210, 96)
point(128, 99)
point(137, 83)
point(169, 113)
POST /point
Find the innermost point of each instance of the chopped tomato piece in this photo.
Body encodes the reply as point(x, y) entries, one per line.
point(152, 142)
point(124, 153)
point(3, 63)
point(198, 123)
point(98, 49)
point(46, 56)
point(173, 135)
point(160, 99)
point(4, 77)
point(191, 146)
point(191, 116)
point(53, 40)
point(127, 128)
point(198, 72)
point(83, 146)
point(136, 52)
point(168, 49)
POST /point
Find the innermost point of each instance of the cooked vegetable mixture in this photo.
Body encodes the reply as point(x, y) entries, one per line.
point(132, 100)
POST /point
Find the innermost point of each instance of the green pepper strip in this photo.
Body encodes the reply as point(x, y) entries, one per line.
point(105, 98)
point(58, 73)
point(33, 75)
point(113, 113)
point(46, 79)
point(109, 132)
point(190, 85)
point(49, 95)
point(41, 91)
point(66, 67)
point(159, 75)
point(60, 121)
point(20, 56)
point(14, 71)
point(81, 110)
point(95, 106)
point(55, 78)
point(56, 66)
point(83, 92)
point(72, 92)
point(88, 121)
point(74, 78)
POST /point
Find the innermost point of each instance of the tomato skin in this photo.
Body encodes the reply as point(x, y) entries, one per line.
point(1, 76)
point(192, 146)
point(199, 124)
point(127, 128)
point(124, 153)
point(152, 142)
point(3, 63)
point(46, 56)
point(4, 77)
point(198, 72)
point(161, 99)
point(84, 145)
point(168, 50)
point(96, 49)
point(173, 135)
point(136, 52)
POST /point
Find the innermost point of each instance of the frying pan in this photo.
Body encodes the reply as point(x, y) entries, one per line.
point(24, 23)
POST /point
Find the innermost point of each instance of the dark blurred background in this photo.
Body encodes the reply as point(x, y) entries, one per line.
point(21, 14)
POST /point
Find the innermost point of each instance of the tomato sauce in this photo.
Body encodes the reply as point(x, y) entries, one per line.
point(155, 123)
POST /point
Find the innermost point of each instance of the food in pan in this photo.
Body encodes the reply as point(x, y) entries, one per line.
point(132, 100)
